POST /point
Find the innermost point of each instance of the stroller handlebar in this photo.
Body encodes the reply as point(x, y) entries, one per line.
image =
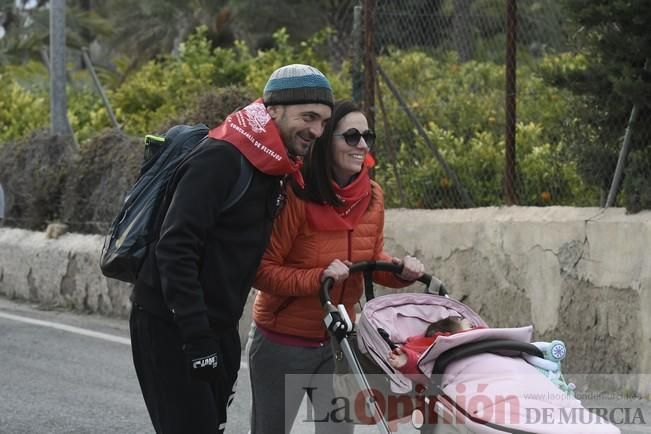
point(368, 267)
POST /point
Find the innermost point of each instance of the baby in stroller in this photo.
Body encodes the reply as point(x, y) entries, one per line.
point(405, 357)
point(466, 377)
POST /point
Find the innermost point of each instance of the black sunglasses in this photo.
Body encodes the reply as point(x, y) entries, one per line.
point(353, 136)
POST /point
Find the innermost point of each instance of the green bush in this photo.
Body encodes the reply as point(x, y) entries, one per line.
point(21, 111)
point(33, 172)
point(162, 89)
point(461, 107)
point(264, 62)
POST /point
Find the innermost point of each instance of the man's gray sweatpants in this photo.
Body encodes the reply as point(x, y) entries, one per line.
point(281, 375)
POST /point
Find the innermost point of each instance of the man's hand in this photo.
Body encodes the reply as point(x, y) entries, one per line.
point(204, 358)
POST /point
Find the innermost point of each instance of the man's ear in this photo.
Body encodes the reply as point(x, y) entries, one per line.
point(274, 111)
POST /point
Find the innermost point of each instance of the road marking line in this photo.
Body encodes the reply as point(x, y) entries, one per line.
point(67, 328)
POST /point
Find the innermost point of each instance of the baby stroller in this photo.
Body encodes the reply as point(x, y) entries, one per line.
point(471, 382)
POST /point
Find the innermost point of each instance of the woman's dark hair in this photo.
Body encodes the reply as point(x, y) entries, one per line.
point(317, 166)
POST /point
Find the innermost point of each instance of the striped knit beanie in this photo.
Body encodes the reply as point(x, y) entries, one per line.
point(297, 84)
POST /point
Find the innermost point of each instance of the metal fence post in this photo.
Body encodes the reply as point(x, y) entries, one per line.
point(98, 85)
point(510, 196)
point(356, 66)
point(369, 62)
point(623, 152)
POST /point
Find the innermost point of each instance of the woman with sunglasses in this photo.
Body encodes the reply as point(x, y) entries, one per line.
point(334, 219)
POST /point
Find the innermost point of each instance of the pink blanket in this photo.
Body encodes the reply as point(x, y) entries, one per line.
point(484, 392)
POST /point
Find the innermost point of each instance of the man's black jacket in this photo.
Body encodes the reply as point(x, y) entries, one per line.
point(201, 269)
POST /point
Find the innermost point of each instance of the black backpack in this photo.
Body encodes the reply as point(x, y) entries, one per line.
point(136, 225)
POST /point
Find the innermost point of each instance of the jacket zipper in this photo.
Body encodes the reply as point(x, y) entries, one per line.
point(350, 258)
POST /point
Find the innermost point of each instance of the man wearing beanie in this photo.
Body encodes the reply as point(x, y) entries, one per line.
point(196, 276)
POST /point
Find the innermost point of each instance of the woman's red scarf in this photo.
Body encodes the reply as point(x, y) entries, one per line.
point(356, 197)
point(253, 132)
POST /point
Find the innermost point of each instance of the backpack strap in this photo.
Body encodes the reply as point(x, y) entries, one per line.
point(242, 184)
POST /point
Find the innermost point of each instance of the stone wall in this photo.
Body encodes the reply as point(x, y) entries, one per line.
point(61, 272)
point(582, 275)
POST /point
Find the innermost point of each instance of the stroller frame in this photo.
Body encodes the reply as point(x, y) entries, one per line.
point(341, 328)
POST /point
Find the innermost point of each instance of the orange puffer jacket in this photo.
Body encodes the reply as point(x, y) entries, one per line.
point(288, 278)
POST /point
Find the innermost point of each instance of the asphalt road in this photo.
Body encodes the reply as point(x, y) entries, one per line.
point(54, 379)
point(58, 381)
point(62, 372)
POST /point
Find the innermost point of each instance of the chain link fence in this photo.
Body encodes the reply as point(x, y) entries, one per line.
point(453, 135)
point(433, 77)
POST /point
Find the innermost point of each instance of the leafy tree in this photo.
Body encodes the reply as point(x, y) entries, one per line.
point(615, 37)
point(145, 29)
point(255, 22)
point(475, 29)
point(411, 23)
point(28, 30)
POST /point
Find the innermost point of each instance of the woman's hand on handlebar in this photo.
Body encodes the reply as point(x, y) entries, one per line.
point(412, 268)
point(338, 270)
